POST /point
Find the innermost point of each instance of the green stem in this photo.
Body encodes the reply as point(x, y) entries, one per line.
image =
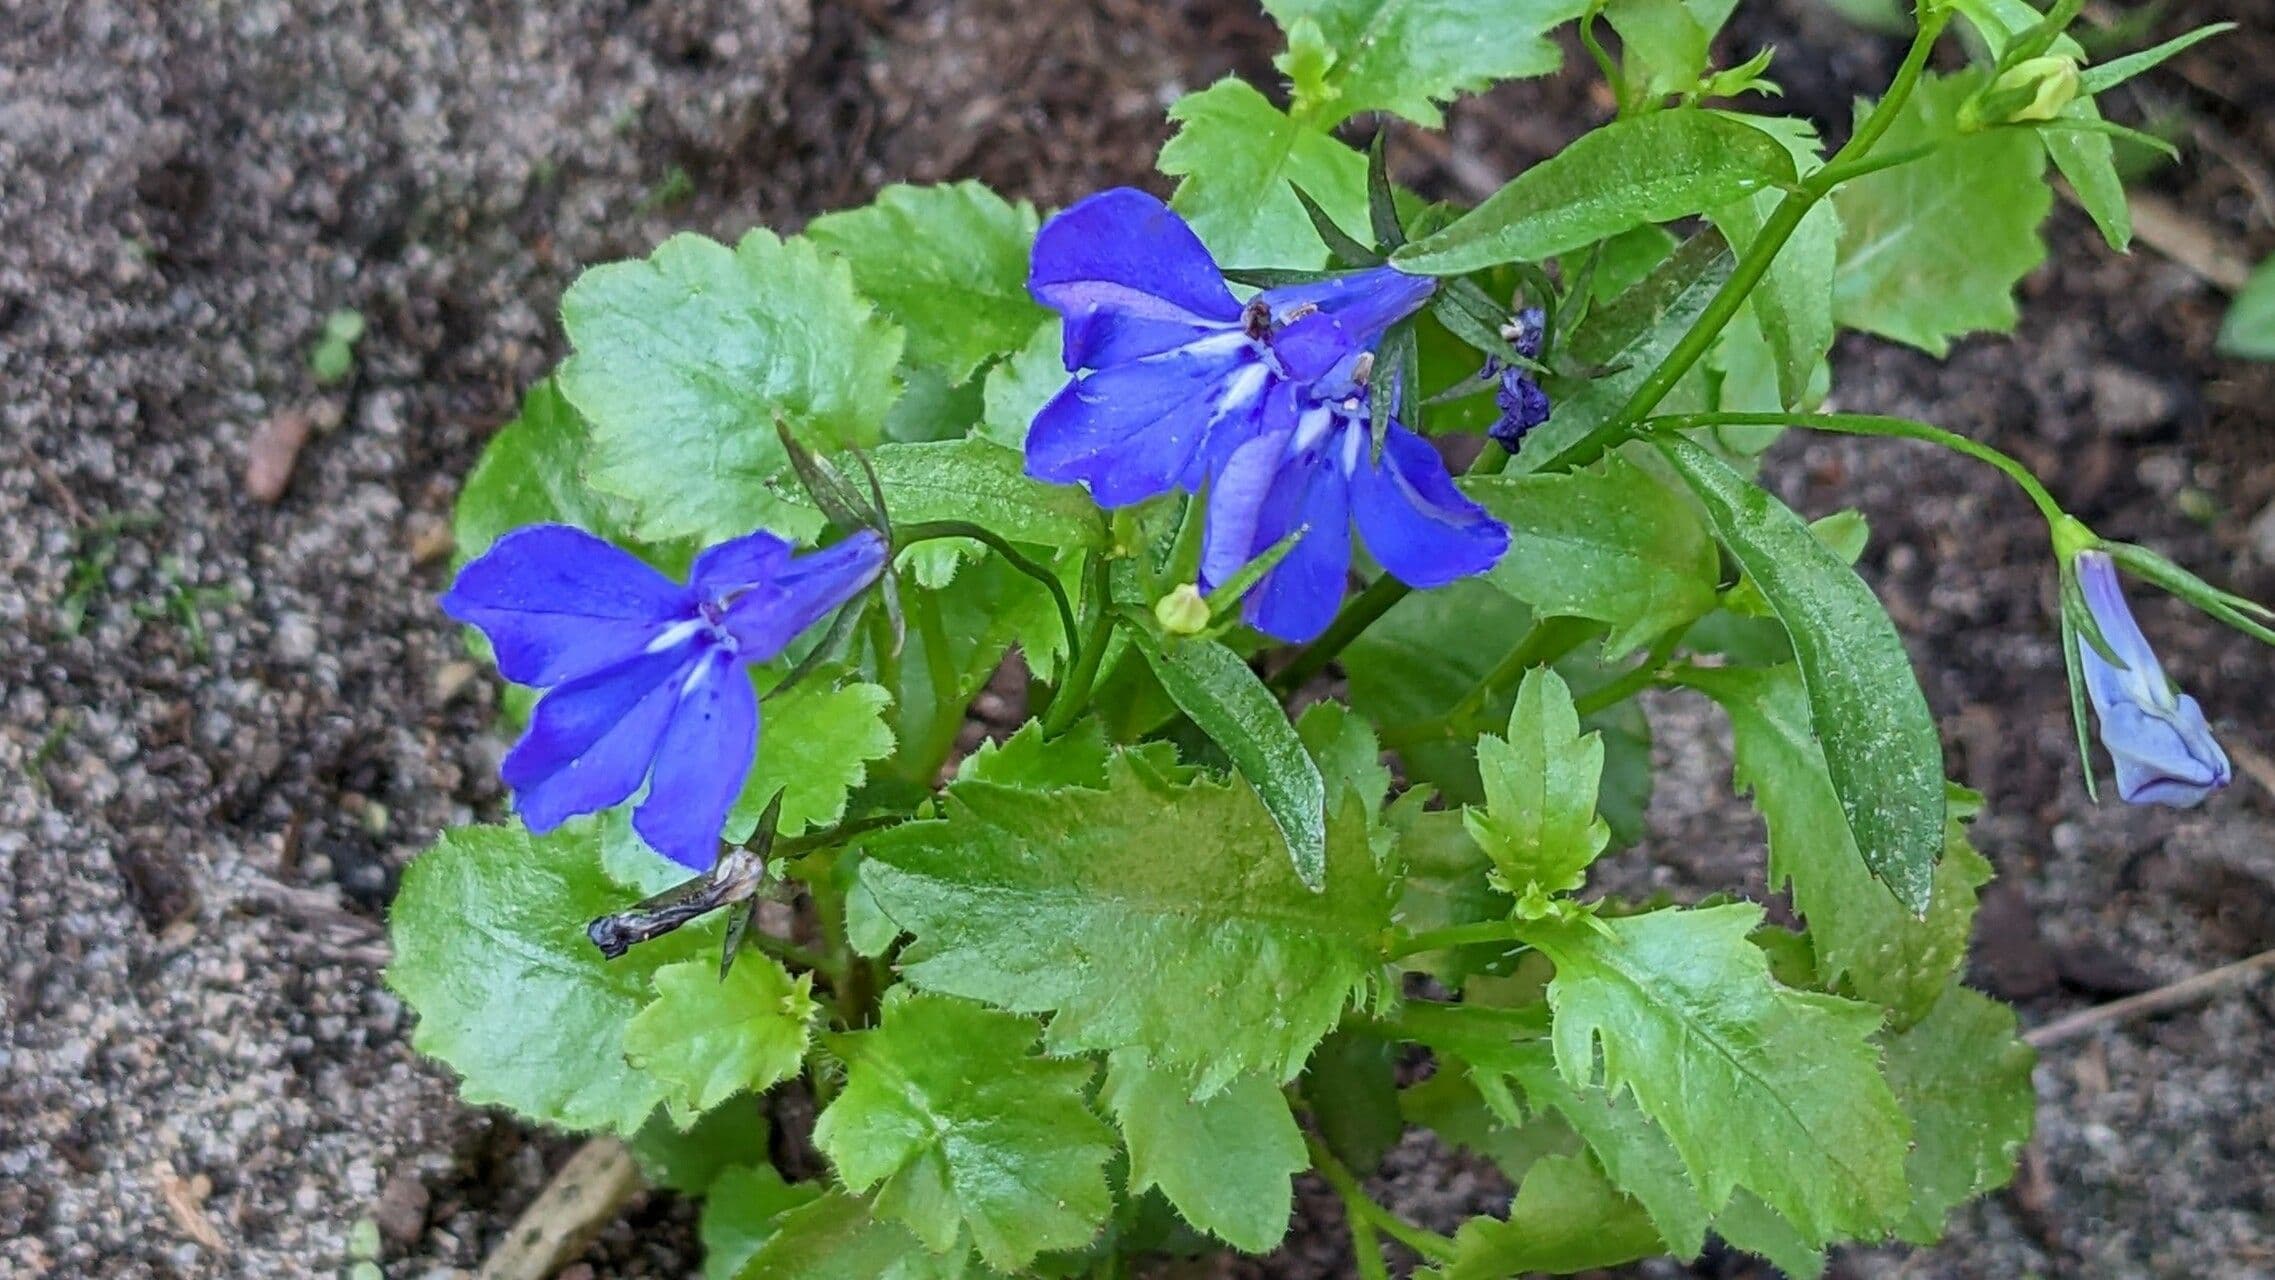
point(910, 534)
point(1635, 679)
point(1873, 424)
point(1366, 1217)
point(1459, 935)
point(1779, 228)
point(1848, 162)
point(1549, 640)
point(1082, 669)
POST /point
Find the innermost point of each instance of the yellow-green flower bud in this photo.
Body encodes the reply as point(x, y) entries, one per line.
point(1182, 612)
point(2032, 89)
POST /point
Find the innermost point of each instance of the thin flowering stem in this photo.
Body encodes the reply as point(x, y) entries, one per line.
point(1873, 424)
point(1367, 1217)
point(1549, 639)
point(1847, 163)
point(1652, 670)
point(1459, 935)
point(1082, 670)
point(909, 535)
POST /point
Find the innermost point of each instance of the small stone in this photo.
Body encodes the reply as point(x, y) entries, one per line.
point(2261, 532)
point(402, 1209)
point(2127, 402)
point(452, 679)
point(295, 639)
point(269, 455)
point(430, 538)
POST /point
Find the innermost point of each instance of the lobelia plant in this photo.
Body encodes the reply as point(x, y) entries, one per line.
point(1102, 986)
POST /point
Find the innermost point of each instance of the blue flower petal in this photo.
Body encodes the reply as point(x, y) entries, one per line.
point(1298, 598)
point(1422, 529)
point(591, 741)
point(2157, 738)
point(767, 617)
point(1344, 315)
point(1236, 500)
point(1130, 277)
point(558, 603)
point(739, 563)
point(1131, 431)
point(701, 762)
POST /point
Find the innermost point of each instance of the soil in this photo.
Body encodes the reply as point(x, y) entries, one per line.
point(229, 713)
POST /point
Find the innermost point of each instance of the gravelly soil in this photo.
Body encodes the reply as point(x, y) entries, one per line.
point(227, 725)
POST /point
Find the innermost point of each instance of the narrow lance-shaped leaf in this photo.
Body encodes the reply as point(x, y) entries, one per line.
point(1879, 739)
point(1230, 704)
point(1624, 341)
point(979, 482)
point(1649, 168)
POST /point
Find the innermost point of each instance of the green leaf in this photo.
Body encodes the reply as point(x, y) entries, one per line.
point(815, 747)
point(960, 1128)
point(1757, 1085)
point(490, 951)
point(1607, 543)
point(1861, 936)
point(1539, 823)
point(979, 482)
point(708, 1038)
point(1793, 305)
point(948, 263)
point(532, 472)
point(1879, 739)
point(690, 1160)
point(684, 359)
point(1230, 703)
point(1566, 1217)
point(1663, 45)
point(1408, 56)
point(1351, 1086)
point(1625, 340)
point(1964, 1079)
point(741, 1212)
point(1347, 752)
point(1449, 881)
point(1649, 168)
point(2102, 77)
point(1154, 913)
point(839, 1237)
point(2248, 332)
point(1237, 155)
point(1226, 1162)
point(1933, 249)
point(1019, 387)
point(1076, 758)
point(1749, 1225)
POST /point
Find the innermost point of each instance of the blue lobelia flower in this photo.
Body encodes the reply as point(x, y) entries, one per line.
point(1522, 403)
point(643, 678)
point(1321, 474)
point(1173, 373)
point(2157, 736)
